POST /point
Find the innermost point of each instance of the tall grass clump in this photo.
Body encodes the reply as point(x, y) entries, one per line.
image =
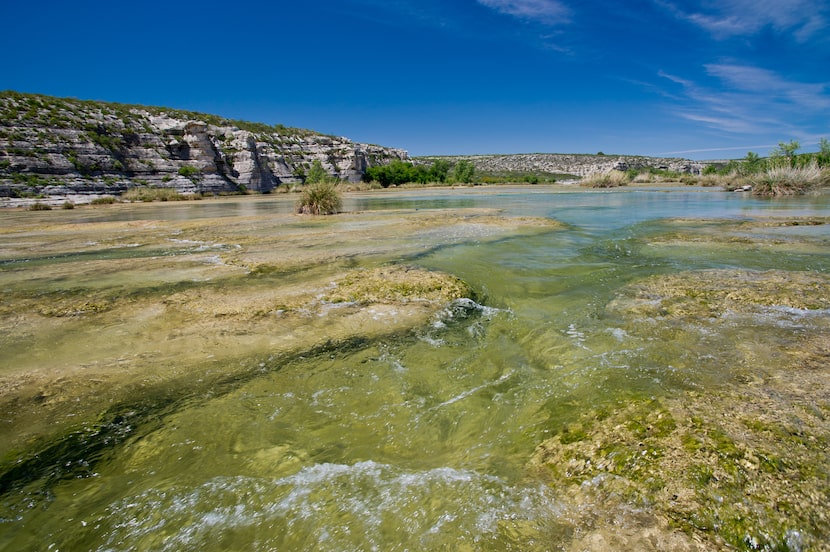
point(320, 198)
point(103, 200)
point(148, 194)
point(611, 179)
point(728, 181)
point(784, 180)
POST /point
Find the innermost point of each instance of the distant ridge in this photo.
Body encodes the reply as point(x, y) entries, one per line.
point(576, 164)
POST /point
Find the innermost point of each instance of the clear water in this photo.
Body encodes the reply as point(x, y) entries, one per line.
point(420, 441)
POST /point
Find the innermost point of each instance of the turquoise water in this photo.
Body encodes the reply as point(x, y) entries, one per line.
point(422, 441)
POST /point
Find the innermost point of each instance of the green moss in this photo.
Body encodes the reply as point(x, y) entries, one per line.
point(769, 463)
point(398, 285)
point(691, 443)
point(723, 488)
point(572, 434)
point(724, 446)
point(650, 420)
point(701, 476)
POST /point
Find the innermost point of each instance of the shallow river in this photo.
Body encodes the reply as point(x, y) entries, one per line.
point(424, 439)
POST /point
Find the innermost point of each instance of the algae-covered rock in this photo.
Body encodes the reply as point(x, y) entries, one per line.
point(753, 479)
point(714, 293)
point(740, 462)
point(397, 284)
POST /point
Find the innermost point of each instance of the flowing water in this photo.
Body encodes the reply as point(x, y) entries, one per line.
point(423, 439)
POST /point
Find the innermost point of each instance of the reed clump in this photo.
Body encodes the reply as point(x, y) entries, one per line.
point(148, 194)
point(612, 179)
point(103, 200)
point(321, 198)
point(783, 180)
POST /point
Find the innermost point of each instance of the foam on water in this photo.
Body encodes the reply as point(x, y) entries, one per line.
point(458, 310)
point(363, 506)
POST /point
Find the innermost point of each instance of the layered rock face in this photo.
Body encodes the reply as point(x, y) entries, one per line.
point(52, 146)
point(575, 164)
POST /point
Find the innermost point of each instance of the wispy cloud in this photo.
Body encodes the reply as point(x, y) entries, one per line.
point(771, 85)
point(549, 12)
point(745, 99)
point(803, 19)
point(710, 150)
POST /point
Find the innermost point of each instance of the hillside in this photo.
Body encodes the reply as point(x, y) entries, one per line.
point(54, 145)
point(563, 164)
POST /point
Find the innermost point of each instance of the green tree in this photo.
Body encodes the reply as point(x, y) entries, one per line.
point(420, 174)
point(378, 174)
point(395, 173)
point(439, 170)
point(752, 163)
point(786, 150)
point(401, 172)
point(316, 173)
point(823, 156)
point(464, 171)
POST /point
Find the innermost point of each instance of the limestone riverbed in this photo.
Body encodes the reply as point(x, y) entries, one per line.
point(530, 368)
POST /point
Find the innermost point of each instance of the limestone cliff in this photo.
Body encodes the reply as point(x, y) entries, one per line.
point(53, 146)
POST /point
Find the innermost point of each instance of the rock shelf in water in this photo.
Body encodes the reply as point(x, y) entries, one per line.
point(744, 465)
point(105, 317)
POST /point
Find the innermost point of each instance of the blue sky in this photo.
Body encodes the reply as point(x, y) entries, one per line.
point(700, 78)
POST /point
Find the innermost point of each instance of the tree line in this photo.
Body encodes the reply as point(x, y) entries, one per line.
point(402, 172)
point(784, 155)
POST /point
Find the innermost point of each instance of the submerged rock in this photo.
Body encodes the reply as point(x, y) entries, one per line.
point(715, 293)
point(741, 462)
point(397, 284)
point(104, 318)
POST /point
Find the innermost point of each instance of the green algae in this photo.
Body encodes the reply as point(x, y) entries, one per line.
point(397, 284)
point(722, 488)
point(677, 409)
point(747, 460)
point(96, 311)
point(715, 293)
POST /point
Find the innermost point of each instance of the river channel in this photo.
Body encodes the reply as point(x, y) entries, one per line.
point(639, 369)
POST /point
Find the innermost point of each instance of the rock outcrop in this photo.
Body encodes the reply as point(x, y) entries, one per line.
point(56, 146)
point(572, 164)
